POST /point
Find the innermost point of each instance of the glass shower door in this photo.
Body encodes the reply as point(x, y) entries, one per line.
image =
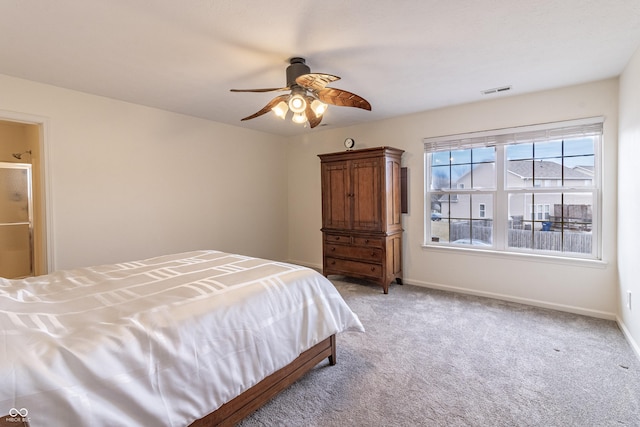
point(16, 221)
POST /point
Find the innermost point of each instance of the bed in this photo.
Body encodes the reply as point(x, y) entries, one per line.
point(199, 338)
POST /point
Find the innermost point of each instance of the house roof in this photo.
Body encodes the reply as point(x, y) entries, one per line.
point(543, 169)
point(404, 56)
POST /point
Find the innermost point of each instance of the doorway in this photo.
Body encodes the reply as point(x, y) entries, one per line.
point(16, 221)
point(23, 248)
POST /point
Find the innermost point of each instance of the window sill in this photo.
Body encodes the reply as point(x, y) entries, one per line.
point(529, 257)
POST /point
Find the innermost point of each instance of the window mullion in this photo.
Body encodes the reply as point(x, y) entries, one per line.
point(501, 205)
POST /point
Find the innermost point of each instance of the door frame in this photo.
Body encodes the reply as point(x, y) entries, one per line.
point(43, 232)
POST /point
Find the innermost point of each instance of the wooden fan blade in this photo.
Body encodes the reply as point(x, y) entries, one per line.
point(343, 98)
point(311, 116)
point(267, 107)
point(271, 89)
point(315, 81)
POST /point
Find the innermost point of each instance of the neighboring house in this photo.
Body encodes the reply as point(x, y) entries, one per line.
point(521, 174)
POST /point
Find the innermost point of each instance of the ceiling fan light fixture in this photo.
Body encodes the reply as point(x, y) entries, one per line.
point(297, 103)
point(299, 118)
point(281, 109)
point(308, 97)
point(318, 107)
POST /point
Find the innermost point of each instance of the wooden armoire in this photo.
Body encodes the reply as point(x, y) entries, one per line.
point(361, 217)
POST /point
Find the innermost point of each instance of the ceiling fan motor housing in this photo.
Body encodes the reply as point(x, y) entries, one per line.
point(295, 70)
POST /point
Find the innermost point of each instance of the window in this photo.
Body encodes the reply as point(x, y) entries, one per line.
point(533, 189)
point(539, 211)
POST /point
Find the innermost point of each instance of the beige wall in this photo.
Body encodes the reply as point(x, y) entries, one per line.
point(579, 287)
point(629, 201)
point(13, 139)
point(126, 182)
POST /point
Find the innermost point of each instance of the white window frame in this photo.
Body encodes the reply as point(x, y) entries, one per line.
point(501, 138)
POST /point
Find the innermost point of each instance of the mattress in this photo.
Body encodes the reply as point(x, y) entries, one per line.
point(161, 342)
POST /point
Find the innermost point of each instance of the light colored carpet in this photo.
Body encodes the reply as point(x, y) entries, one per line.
point(434, 358)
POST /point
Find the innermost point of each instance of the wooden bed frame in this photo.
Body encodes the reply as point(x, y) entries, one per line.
point(11, 423)
point(245, 404)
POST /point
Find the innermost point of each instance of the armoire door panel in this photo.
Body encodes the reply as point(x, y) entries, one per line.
point(336, 200)
point(367, 200)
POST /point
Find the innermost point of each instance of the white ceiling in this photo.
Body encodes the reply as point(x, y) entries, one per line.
point(403, 56)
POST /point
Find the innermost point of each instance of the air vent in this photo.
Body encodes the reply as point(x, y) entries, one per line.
point(496, 90)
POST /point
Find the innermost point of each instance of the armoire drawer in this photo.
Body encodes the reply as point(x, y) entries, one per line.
point(337, 238)
point(371, 254)
point(355, 267)
point(353, 240)
point(368, 241)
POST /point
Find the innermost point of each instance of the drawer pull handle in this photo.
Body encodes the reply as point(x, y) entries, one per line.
point(333, 249)
point(333, 263)
point(366, 240)
point(373, 254)
point(338, 238)
point(373, 269)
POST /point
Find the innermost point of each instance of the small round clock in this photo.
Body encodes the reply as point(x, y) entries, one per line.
point(349, 143)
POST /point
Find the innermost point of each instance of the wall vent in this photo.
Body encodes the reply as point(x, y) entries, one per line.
point(496, 90)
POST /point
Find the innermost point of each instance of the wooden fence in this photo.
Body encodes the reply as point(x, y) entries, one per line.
point(569, 241)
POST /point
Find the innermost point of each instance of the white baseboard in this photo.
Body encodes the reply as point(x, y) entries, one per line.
point(634, 345)
point(528, 301)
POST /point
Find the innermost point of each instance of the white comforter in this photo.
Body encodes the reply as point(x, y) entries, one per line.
point(158, 342)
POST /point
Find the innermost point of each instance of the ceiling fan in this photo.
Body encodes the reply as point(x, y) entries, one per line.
point(309, 95)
